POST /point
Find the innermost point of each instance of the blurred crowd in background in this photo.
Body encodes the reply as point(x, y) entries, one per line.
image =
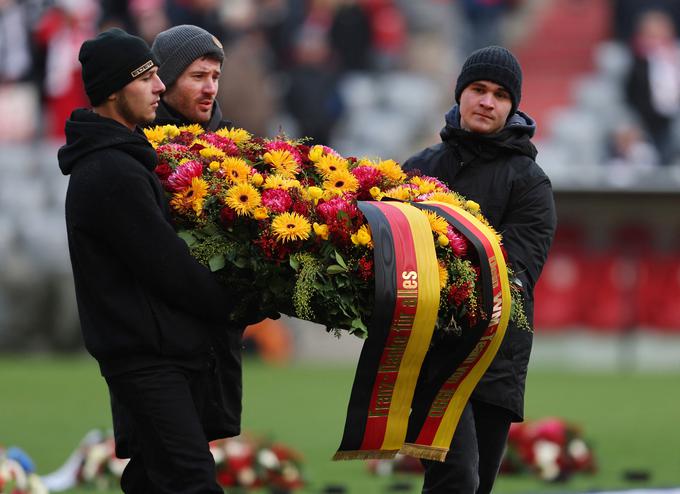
point(368, 77)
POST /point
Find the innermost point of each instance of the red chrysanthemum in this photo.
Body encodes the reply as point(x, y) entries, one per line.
point(339, 214)
point(365, 269)
point(163, 170)
point(181, 178)
point(457, 243)
point(459, 293)
point(277, 200)
point(368, 176)
point(227, 216)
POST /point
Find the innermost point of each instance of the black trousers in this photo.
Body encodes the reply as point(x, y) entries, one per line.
point(472, 463)
point(168, 447)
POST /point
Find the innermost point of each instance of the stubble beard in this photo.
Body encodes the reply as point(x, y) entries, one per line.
point(124, 108)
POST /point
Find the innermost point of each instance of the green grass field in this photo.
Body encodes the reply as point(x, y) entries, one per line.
point(48, 404)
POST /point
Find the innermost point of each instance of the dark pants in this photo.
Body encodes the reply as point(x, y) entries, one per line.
point(169, 449)
point(475, 455)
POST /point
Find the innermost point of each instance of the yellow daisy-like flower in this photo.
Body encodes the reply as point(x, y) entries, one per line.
point(155, 135)
point(290, 226)
point(446, 197)
point(236, 169)
point(424, 186)
point(192, 197)
point(391, 170)
point(367, 162)
point(195, 129)
point(443, 275)
point(363, 236)
point(243, 198)
point(400, 193)
point(316, 153)
point(279, 182)
point(438, 224)
point(283, 162)
point(321, 231)
point(341, 181)
point(260, 213)
point(331, 163)
point(239, 136)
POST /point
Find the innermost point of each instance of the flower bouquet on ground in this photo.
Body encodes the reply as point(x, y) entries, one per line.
point(284, 218)
point(551, 448)
point(17, 473)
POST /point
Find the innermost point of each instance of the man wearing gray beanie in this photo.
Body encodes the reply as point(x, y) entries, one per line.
point(190, 64)
point(486, 155)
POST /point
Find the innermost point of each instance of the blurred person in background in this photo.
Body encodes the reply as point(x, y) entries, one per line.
point(486, 154)
point(58, 36)
point(652, 86)
point(483, 20)
point(15, 48)
point(190, 64)
point(147, 318)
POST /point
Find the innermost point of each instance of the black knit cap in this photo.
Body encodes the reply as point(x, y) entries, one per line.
point(111, 61)
point(495, 64)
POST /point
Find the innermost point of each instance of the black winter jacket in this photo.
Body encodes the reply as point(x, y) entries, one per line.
point(498, 171)
point(142, 298)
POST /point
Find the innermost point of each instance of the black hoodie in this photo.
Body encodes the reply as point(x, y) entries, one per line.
point(142, 299)
point(498, 172)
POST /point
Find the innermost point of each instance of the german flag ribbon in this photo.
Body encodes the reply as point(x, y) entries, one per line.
point(392, 407)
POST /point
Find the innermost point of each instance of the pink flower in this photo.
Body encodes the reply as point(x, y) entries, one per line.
point(224, 144)
point(183, 174)
point(368, 177)
point(457, 242)
point(277, 200)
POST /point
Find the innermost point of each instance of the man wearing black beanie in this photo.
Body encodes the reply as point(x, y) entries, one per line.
point(148, 309)
point(486, 155)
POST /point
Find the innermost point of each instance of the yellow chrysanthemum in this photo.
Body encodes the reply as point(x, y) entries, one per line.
point(363, 236)
point(236, 169)
point(195, 129)
point(391, 170)
point(239, 136)
point(314, 193)
point(367, 162)
point(376, 193)
point(209, 151)
point(287, 227)
point(191, 198)
point(321, 231)
point(213, 166)
point(341, 181)
point(331, 163)
point(400, 193)
point(472, 206)
point(260, 213)
point(256, 179)
point(316, 153)
point(443, 275)
point(424, 186)
point(243, 198)
point(437, 223)
point(283, 162)
point(446, 197)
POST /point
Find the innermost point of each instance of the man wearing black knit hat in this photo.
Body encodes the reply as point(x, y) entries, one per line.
point(147, 308)
point(190, 64)
point(486, 154)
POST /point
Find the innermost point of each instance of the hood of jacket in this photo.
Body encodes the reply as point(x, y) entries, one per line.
point(88, 132)
point(514, 137)
point(166, 115)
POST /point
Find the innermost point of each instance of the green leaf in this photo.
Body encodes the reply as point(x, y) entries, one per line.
point(294, 263)
point(216, 262)
point(187, 237)
point(335, 269)
point(358, 324)
point(240, 262)
point(340, 260)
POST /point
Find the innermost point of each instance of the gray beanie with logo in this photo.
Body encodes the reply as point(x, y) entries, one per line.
point(176, 48)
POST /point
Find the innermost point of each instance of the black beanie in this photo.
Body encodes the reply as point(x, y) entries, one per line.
point(495, 64)
point(111, 61)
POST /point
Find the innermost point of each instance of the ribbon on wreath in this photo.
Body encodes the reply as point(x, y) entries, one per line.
point(392, 408)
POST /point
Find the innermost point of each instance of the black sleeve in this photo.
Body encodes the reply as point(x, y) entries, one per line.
point(132, 222)
point(528, 228)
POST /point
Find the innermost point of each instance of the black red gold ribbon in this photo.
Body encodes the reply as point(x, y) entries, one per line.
point(391, 410)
